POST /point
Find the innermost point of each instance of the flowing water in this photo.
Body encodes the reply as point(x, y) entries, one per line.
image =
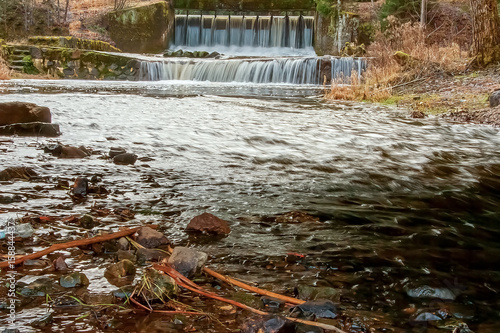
point(406, 207)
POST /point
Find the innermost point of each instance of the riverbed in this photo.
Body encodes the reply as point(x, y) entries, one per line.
point(403, 204)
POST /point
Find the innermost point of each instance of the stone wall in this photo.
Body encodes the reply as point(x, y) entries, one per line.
point(145, 29)
point(245, 5)
point(332, 32)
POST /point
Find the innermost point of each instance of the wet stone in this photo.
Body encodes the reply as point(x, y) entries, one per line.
point(158, 285)
point(17, 173)
point(267, 325)
point(121, 269)
point(123, 244)
point(123, 292)
point(314, 309)
point(208, 223)
point(129, 255)
point(302, 328)
point(114, 151)
point(272, 304)
point(31, 129)
point(296, 217)
point(74, 280)
point(151, 238)
point(426, 291)
point(43, 321)
point(87, 222)
point(59, 264)
point(39, 287)
point(310, 293)
point(6, 199)
point(80, 187)
point(125, 159)
point(145, 255)
point(186, 261)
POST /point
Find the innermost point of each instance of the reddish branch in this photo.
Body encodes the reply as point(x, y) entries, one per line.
point(75, 243)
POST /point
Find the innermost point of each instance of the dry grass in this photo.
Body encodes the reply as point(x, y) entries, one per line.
point(5, 71)
point(385, 72)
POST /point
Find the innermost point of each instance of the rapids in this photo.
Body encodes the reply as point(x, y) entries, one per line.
point(403, 203)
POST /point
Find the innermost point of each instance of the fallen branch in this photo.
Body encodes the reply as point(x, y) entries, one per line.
point(75, 243)
point(252, 289)
point(184, 282)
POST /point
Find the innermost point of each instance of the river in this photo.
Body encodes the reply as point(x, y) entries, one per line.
point(402, 203)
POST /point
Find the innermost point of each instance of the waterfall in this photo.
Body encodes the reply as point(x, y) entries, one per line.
point(342, 68)
point(236, 30)
point(291, 70)
point(278, 70)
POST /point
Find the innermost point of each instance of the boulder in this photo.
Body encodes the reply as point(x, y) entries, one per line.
point(31, 129)
point(188, 262)
point(17, 173)
point(125, 159)
point(495, 99)
point(21, 112)
point(208, 223)
point(151, 238)
point(121, 269)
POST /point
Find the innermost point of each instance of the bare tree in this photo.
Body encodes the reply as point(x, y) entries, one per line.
point(485, 31)
point(423, 13)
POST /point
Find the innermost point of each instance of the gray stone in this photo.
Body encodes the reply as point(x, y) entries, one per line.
point(125, 159)
point(74, 280)
point(31, 129)
point(43, 321)
point(495, 99)
point(144, 255)
point(121, 269)
point(430, 292)
point(39, 287)
point(123, 254)
point(114, 151)
point(150, 238)
point(188, 262)
point(123, 244)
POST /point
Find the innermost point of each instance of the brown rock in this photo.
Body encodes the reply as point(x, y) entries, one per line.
point(31, 129)
point(495, 99)
point(417, 114)
point(17, 172)
point(208, 223)
point(150, 238)
point(21, 112)
point(59, 264)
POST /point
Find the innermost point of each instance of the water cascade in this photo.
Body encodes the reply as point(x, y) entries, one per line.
point(343, 67)
point(294, 32)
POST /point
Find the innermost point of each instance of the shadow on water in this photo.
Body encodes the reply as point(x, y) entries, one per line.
point(408, 210)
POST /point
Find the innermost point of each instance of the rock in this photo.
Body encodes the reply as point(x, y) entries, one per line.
point(314, 309)
point(31, 129)
point(214, 54)
point(17, 173)
point(43, 321)
point(123, 244)
point(310, 293)
point(125, 159)
point(87, 222)
point(39, 287)
point(156, 285)
point(129, 255)
point(74, 280)
point(188, 262)
point(59, 264)
point(188, 54)
point(24, 230)
point(150, 238)
point(121, 269)
point(208, 223)
point(124, 292)
point(426, 316)
point(272, 304)
point(61, 151)
point(269, 324)
point(21, 112)
point(495, 99)
point(114, 151)
point(430, 292)
point(177, 53)
point(417, 114)
point(296, 217)
point(80, 187)
point(144, 255)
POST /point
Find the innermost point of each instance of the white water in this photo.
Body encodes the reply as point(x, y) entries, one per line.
point(279, 70)
point(291, 35)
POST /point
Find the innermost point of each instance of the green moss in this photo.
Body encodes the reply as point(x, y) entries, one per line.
point(29, 67)
point(393, 100)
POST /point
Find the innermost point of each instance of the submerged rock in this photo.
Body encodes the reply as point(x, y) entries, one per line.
point(296, 217)
point(156, 285)
point(61, 151)
point(188, 262)
point(208, 223)
point(314, 309)
point(125, 159)
point(144, 255)
point(43, 321)
point(74, 280)
point(268, 325)
point(22, 112)
point(17, 173)
point(121, 269)
point(114, 151)
point(31, 129)
point(310, 293)
point(39, 287)
point(87, 222)
point(151, 238)
point(426, 291)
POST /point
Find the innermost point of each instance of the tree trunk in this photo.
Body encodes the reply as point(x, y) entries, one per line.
point(66, 11)
point(423, 14)
point(485, 32)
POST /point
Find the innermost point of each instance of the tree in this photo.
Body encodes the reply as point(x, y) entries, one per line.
point(485, 31)
point(423, 13)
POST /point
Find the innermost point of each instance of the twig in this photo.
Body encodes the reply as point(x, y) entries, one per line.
point(252, 289)
point(75, 243)
point(190, 285)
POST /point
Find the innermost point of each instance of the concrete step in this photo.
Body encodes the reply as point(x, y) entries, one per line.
point(20, 47)
point(17, 63)
point(17, 57)
point(16, 68)
point(18, 52)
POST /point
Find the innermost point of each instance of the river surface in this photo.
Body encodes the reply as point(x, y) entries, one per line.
point(406, 206)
